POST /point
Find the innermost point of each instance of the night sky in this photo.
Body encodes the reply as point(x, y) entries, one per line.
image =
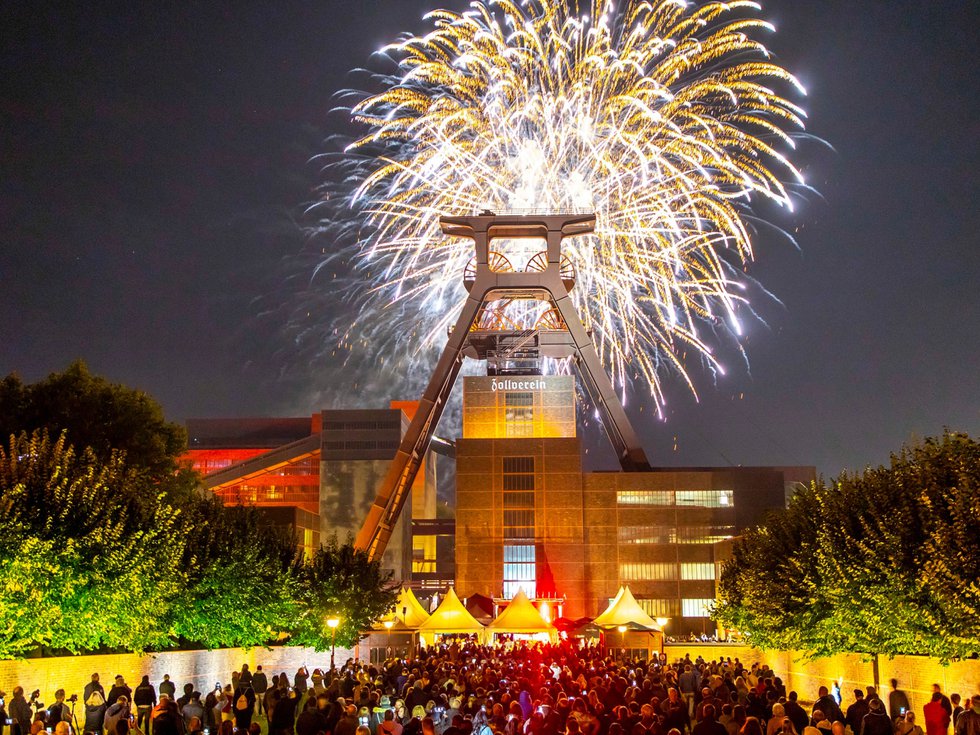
point(154, 159)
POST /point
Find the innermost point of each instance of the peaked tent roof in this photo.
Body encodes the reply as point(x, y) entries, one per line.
point(624, 610)
point(451, 617)
point(520, 616)
point(408, 609)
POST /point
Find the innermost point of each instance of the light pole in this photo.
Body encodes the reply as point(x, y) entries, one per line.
point(332, 623)
point(622, 637)
point(387, 624)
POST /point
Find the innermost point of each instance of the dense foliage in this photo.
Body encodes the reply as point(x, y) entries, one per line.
point(340, 581)
point(882, 562)
point(104, 417)
point(105, 542)
point(85, 556)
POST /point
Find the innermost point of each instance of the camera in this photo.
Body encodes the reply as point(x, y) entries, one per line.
point(73, 698)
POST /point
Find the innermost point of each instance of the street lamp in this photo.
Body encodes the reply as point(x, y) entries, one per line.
point(332, 623)
point(622, 634)
point(387, 624)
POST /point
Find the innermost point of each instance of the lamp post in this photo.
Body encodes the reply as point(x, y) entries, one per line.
point(387, 624)
point(332, 623)
point(622, 637)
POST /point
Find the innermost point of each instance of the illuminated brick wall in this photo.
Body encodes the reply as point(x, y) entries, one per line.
point(201, 668)
point(915, 674)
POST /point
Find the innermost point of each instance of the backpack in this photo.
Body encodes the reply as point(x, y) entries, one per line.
point(241, 704)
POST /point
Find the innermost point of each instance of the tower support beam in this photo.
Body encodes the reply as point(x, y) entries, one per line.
point(487, 285)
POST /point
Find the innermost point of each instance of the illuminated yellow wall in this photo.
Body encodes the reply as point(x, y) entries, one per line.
point(200, 668)
point(915, 674)
point(487, 413)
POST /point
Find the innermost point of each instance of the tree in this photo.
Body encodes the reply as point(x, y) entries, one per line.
point(882, 562)
point(340, 581)
point(107, 417)
point(88, 559)
point(241, 577)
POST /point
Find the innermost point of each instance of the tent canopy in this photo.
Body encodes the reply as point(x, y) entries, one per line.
point(451, 617)
point(520, 616)
point(625, 611)
point(408, 610)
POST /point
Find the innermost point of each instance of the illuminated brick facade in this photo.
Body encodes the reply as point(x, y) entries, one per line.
point(528, 516)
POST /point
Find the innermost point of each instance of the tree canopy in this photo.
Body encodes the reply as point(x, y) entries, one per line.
point(340, 581)
point(106, 542)
point(105, 417)
point(881, 562)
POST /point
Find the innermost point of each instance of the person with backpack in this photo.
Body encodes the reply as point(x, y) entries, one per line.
point(243, 704)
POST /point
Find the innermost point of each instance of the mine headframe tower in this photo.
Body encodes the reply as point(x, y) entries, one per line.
point(489, 280)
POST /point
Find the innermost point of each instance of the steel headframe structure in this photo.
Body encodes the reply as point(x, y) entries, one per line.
point(563, 335)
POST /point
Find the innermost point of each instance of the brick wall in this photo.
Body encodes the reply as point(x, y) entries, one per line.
point(915, 674)
point(201, 668)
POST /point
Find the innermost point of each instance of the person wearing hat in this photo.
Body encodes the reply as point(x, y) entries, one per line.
point(876, 722)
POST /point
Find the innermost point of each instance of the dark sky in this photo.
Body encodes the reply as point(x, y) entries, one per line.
point(153, 158)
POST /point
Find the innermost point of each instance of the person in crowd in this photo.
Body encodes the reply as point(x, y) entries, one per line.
point(93, 697)
point(119, 689)
point(828, 706)
point(856, 712)
point(145, 699)
point(954, 699)
point(708, 724)
point(947, 704)
point(167, 687)
point(193, 710)
point(57, 712)
point(282, 713)
point(796, 713)
point(314, 720)
point(898, 702)
point(689, 683)
point(301, 681)
point(936, 716)
point(907, 725)
point(185, 697)
point(876, 722)
point(260, 685)
point(195, 726)
point(244, 704)
point(775, 724)
point(118, 710)
point(968, 723)
point(19, 712)
point(165, 717)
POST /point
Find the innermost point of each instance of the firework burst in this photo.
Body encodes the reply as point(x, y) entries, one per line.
point(662, 117)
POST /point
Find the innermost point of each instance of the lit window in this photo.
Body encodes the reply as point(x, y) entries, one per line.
point(696, 608)
point(698, 571)
point(705, 498)
point(519, 570)
point(645, 497)
point(658, 608)
point(519, 414)
point(651, 571)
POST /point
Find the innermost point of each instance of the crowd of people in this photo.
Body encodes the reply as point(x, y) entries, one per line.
point(511, 689)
